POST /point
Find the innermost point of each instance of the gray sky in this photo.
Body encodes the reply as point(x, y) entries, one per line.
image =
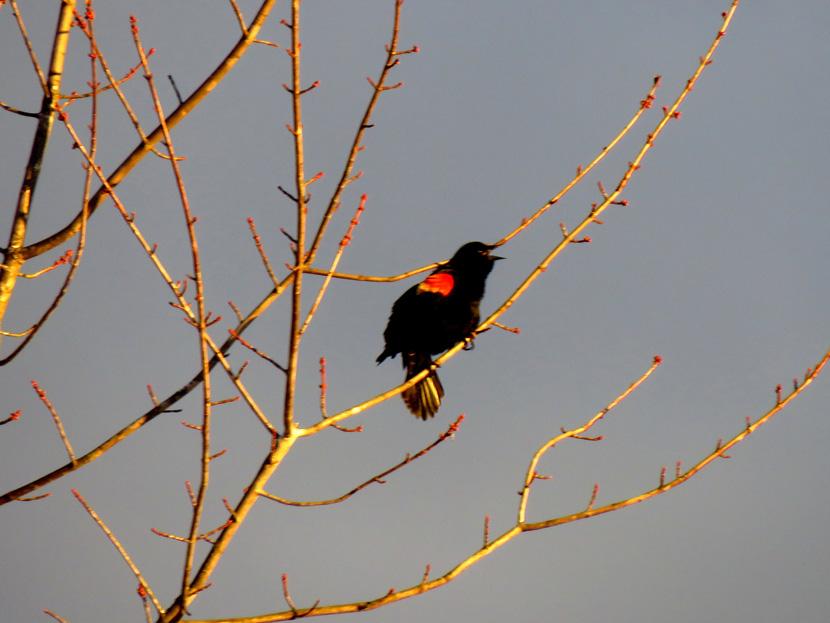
point(719, 264)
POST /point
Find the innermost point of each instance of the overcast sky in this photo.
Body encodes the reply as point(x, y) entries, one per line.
point(719, 263)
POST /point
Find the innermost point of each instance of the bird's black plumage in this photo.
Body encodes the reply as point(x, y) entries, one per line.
point(434, 315)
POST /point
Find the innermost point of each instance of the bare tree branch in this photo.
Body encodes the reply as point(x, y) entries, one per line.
point(378, 478)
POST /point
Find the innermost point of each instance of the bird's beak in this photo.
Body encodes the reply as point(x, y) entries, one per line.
point(493, 257)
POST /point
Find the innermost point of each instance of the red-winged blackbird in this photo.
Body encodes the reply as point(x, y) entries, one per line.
point(433, 316)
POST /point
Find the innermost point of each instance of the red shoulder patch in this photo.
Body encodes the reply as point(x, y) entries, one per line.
point(438, 283)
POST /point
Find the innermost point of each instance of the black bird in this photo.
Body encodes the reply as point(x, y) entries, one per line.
point(433, 316)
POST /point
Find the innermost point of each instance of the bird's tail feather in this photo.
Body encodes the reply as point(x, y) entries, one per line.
point(424, 398)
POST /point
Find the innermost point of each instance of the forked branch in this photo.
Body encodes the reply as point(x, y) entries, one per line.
point(489, 546)
point(377, 478)
point(141, 150)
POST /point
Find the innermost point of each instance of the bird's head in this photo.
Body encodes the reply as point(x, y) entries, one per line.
point(474, 256)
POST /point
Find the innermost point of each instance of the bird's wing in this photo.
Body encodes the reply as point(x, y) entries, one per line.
point(440, 282)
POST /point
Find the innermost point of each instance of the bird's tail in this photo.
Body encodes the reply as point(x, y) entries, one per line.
point(424, 398)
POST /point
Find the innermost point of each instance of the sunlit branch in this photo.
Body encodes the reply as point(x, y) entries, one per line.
point(115, 542)
point(175, 117)
point(57, 617)
point(34, 498)
point(147, 417)
point(300, 183)
point(280, 449)
point(14, 255)
point(344, 242)
point(378, 478)
point(131, 73)
point(239, 17)
point(200, 321)
point(373, 278)
point(114, 84)
point(262, 254)
point(489, 546)
point(532, 475)
point(41, 393)
point(680, 477)
point(669, 113)
point(81, 245)
point(23, 333)
point(63, 259)
point(346, 176)
point(182, 302)
point(29, 47)
point(645, 104)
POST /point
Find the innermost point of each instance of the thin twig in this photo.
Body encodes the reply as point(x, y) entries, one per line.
point(259, 353)
point(262, 254)
point(530, 475)
point(29, 47)
point(373, 278)
point(167, 535)
point(513, 330)
point(200, 322)
point(299, 254)
point(175, 89)
point(63, 259)
point(236, 311)
point(34, 498)
point(594, 493)
point(239, 17)
point(17, 111)
point(41, 393)
point(664, 486)
point(378, 478)
point(344, 242)
point(115, 85)
point(287, 594)
point(346, 176)
point(148, 613)
point(114, 540)
point(190, 493)
point(581, 172)
point(57, 617)
point(13, 417)
point(17, 333)
point(132, 72)
point(324, 386)
point(323, 400)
